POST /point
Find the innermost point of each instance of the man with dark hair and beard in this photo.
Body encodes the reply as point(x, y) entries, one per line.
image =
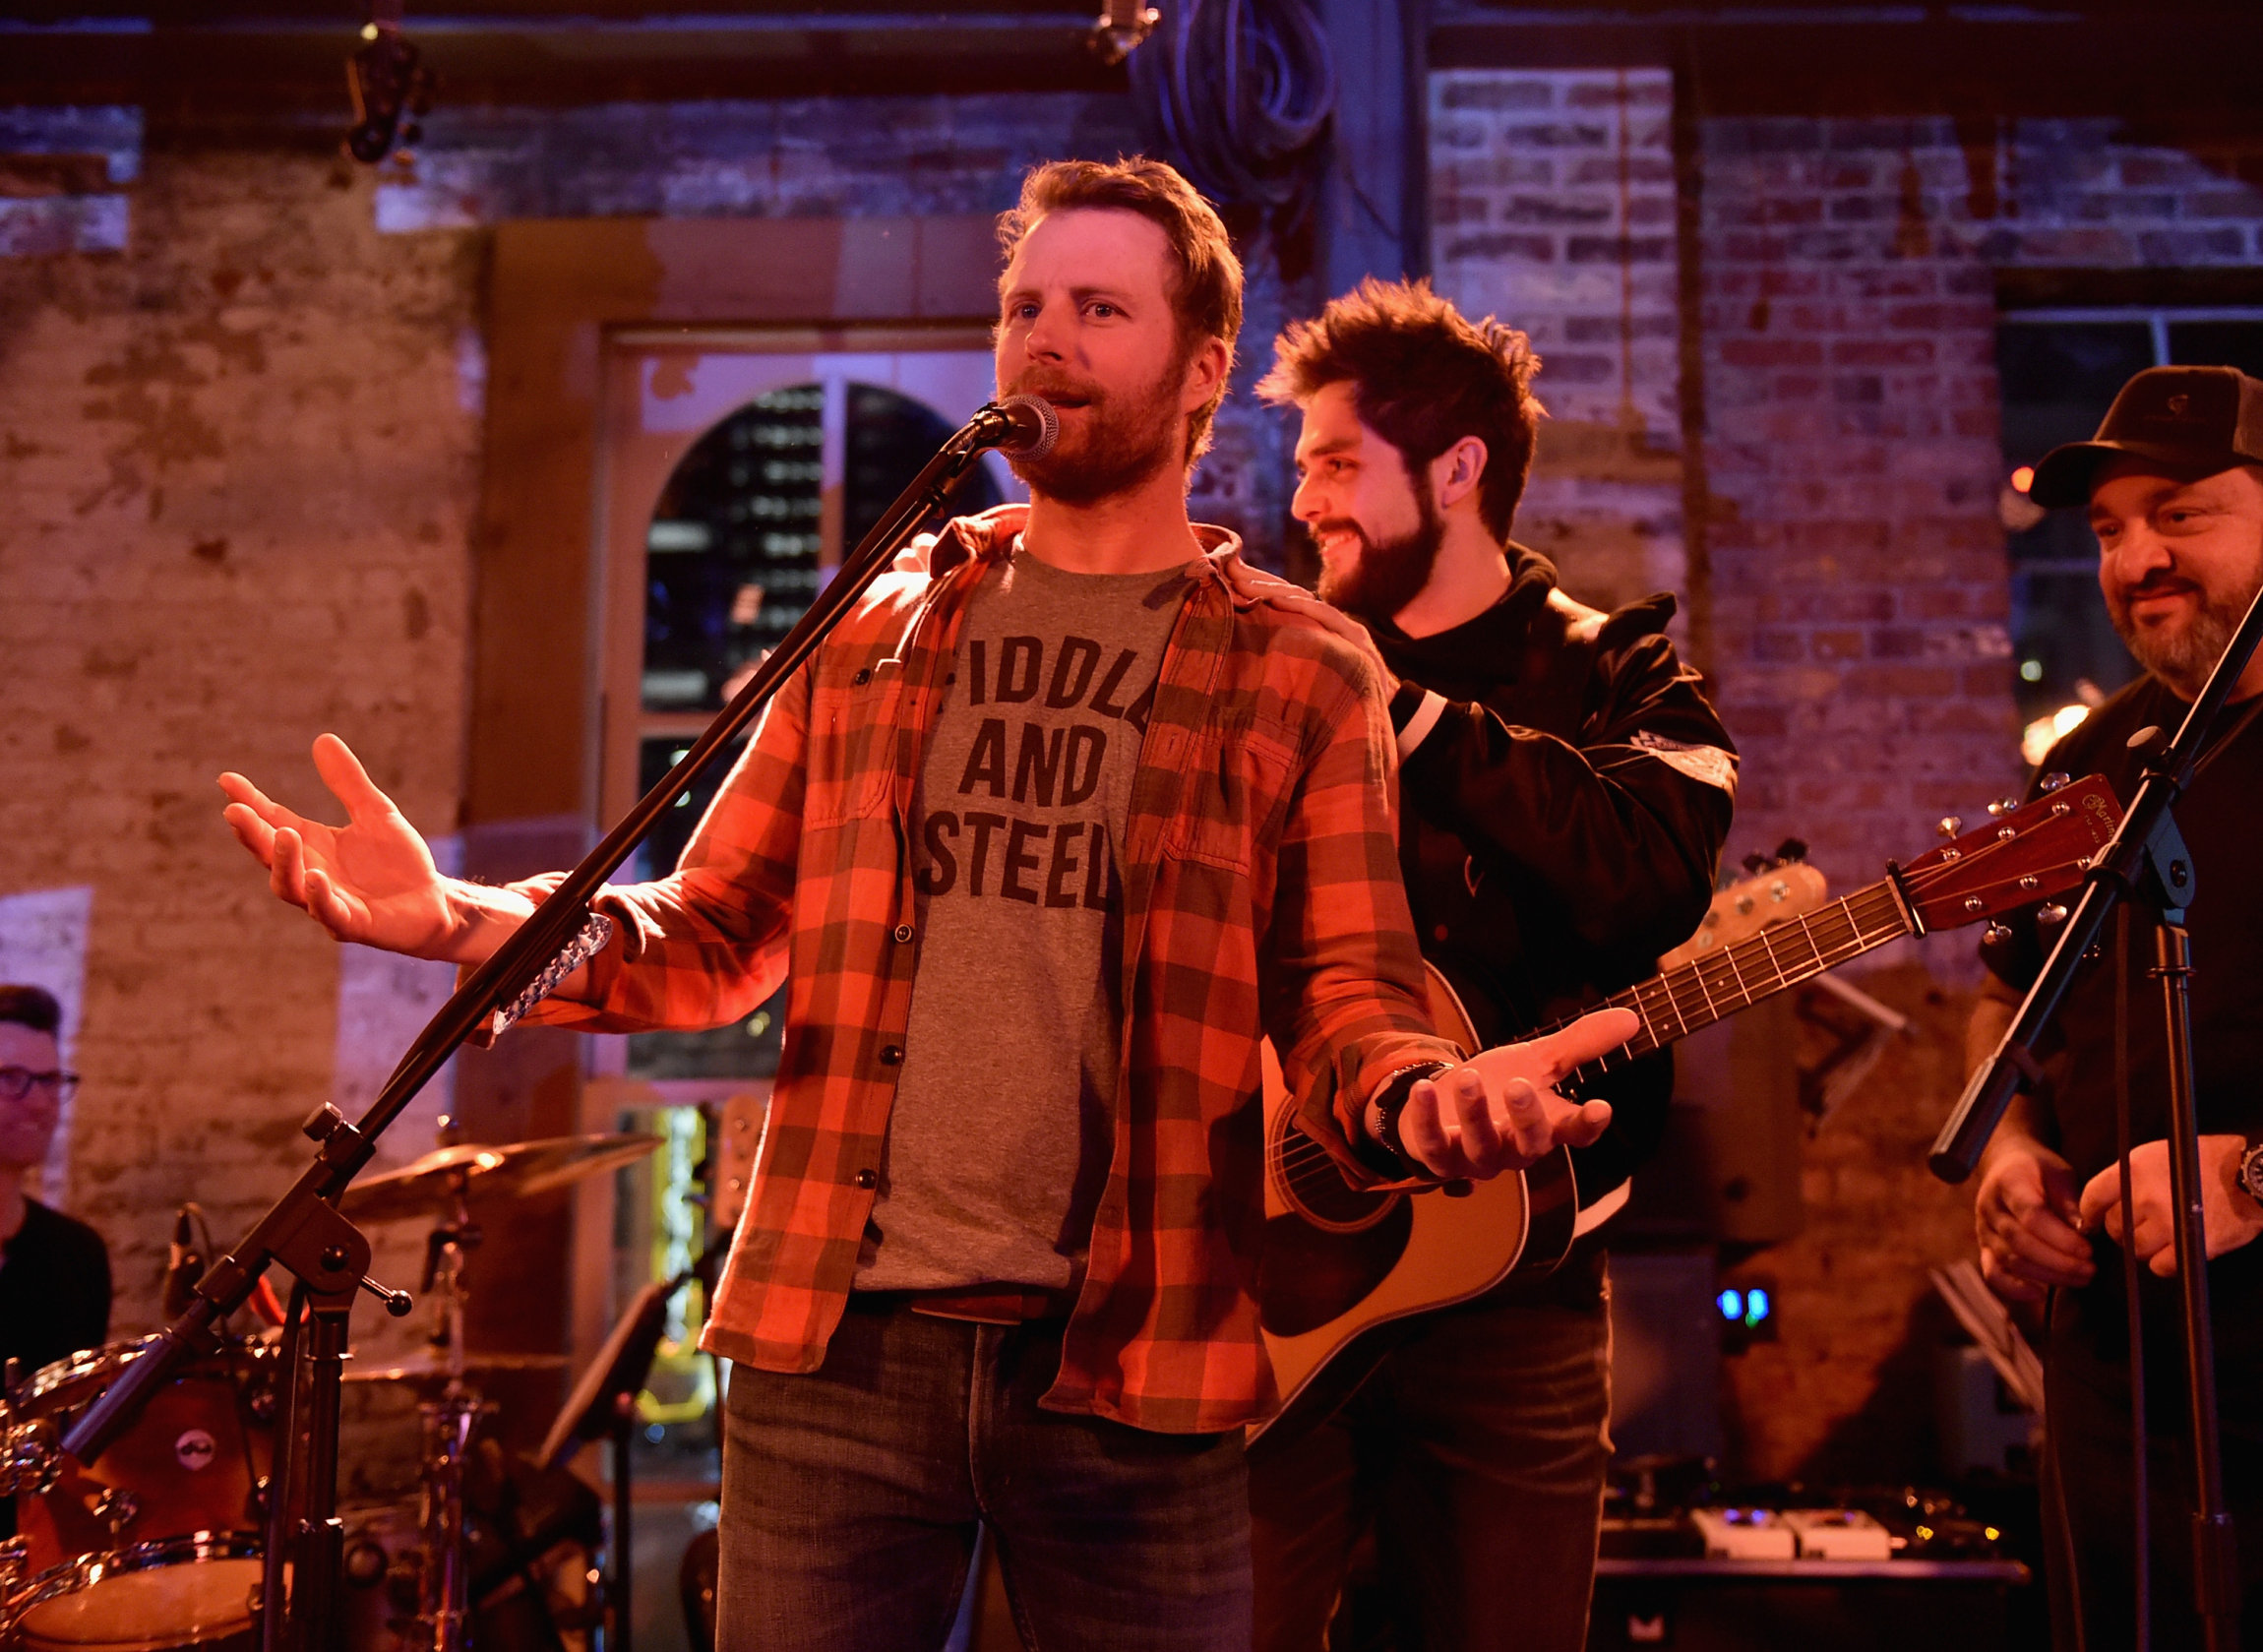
point(1564, 793)
point(2174, 483)
point(1051, 830)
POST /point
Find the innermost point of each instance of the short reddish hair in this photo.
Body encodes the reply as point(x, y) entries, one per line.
point(1206, 276)
point(1423, 377)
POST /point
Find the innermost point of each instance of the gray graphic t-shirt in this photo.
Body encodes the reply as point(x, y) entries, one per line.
point(1004, 1121)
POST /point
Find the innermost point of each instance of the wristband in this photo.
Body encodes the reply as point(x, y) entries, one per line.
point(1381, 1122)
point(593, 937)
point(1415, 711)
point(2251, 1169)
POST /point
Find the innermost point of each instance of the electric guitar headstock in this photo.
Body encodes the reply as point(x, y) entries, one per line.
point(1773, 889)
point(2023, 855)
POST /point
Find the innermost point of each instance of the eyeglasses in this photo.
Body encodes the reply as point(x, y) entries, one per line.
point(16, 1083)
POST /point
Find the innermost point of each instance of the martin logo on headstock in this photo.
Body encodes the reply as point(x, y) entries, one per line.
point(1341, 1262)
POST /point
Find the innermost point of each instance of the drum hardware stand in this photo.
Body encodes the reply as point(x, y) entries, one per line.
point(444, 1593)
point(2148, 866)
point(326, 1254)
point(603, 1406)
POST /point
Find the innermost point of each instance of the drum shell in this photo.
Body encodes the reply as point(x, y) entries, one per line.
point(192, 1594)
point(191, 1461)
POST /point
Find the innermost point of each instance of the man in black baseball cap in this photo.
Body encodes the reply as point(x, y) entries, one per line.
point(2195, 420)
point(2174, 485)
point(2173, 480)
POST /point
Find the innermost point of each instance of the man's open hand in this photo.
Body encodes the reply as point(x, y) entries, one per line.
point(1254, 585)
point(372, 879)
point(1501, 1111)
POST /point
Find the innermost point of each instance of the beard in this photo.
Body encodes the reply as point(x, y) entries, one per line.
point(1121, 443)
point(2184, 656)
point(1388, 575)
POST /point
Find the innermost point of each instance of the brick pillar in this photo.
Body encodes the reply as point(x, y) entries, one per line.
point(1859, 571)
point(1552, 207)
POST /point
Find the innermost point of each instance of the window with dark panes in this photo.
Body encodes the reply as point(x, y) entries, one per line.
point(735, 554)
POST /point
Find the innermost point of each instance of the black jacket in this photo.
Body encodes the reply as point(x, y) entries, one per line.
point(1561, 817)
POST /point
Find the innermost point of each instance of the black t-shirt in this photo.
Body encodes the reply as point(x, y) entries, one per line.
point(54, 1290)
point(2219, 817)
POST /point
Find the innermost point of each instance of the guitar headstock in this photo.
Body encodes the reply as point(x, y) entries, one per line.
point(1776, 891)
point(2023, 855)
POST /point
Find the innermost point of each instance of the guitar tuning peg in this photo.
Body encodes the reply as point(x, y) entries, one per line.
point(1754, 864)
point(1950, 826)
point(2054, 779)
point(2049, 915)
point(1996, 934)
point(1792, 848)
point(2001, 807)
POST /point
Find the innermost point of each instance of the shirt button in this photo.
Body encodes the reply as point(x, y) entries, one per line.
point(863, 676)
point(1439, 933)
point(892, 1054)
point(866, 1178)
point(902, 934)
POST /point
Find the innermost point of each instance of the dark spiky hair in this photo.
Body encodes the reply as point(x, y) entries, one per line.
point(1423, 377)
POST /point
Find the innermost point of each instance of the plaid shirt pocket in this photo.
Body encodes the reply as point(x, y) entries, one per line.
point(1240, 773)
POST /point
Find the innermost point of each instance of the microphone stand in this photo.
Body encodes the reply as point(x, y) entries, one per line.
point(2147, 864)
point(326, 1254)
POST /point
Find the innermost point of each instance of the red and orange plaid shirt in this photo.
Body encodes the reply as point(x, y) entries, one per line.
point(1262, 895)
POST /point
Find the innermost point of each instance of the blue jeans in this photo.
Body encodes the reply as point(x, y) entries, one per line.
point(1476, 1455)
point(851, 1497)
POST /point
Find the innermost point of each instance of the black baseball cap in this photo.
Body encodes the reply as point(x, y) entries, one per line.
point(2195, 419)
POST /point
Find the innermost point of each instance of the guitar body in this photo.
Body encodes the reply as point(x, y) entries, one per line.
point(1340, 1267)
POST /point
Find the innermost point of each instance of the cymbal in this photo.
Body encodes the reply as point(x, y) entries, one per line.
point(516, 1169)
point(433, 1368)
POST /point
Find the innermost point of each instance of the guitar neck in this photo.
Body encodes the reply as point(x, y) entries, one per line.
point(1687, 999)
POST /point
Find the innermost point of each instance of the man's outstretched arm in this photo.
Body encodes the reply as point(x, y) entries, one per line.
point(372, 880)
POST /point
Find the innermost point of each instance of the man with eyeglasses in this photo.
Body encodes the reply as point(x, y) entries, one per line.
point(55, 1278)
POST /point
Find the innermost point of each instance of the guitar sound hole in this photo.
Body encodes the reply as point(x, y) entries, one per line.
point(1313, 1186)
point(1327, 1199)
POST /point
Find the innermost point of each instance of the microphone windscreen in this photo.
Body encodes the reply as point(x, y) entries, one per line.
point(1036, 426)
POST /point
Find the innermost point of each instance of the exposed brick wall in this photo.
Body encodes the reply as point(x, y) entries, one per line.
point(1859, 584)
point(1552, 207)
point(1845, 1391)
point(239, 472)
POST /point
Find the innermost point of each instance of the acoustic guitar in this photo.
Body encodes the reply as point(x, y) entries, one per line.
point(1340, 1265)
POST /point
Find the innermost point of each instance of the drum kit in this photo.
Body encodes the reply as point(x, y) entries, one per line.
point(157, 1544)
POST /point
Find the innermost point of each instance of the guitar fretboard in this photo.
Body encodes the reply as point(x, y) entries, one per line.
point(1687, 999)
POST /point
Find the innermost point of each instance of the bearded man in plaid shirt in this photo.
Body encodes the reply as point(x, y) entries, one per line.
point(1047, 836)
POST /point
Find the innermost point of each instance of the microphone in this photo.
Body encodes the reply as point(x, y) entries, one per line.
point(1025, 426)
point(184, 1265)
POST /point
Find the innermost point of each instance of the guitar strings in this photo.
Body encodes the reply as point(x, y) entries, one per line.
point(1300, 1153)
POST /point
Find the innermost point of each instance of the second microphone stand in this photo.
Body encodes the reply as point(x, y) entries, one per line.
point(2147, 864)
